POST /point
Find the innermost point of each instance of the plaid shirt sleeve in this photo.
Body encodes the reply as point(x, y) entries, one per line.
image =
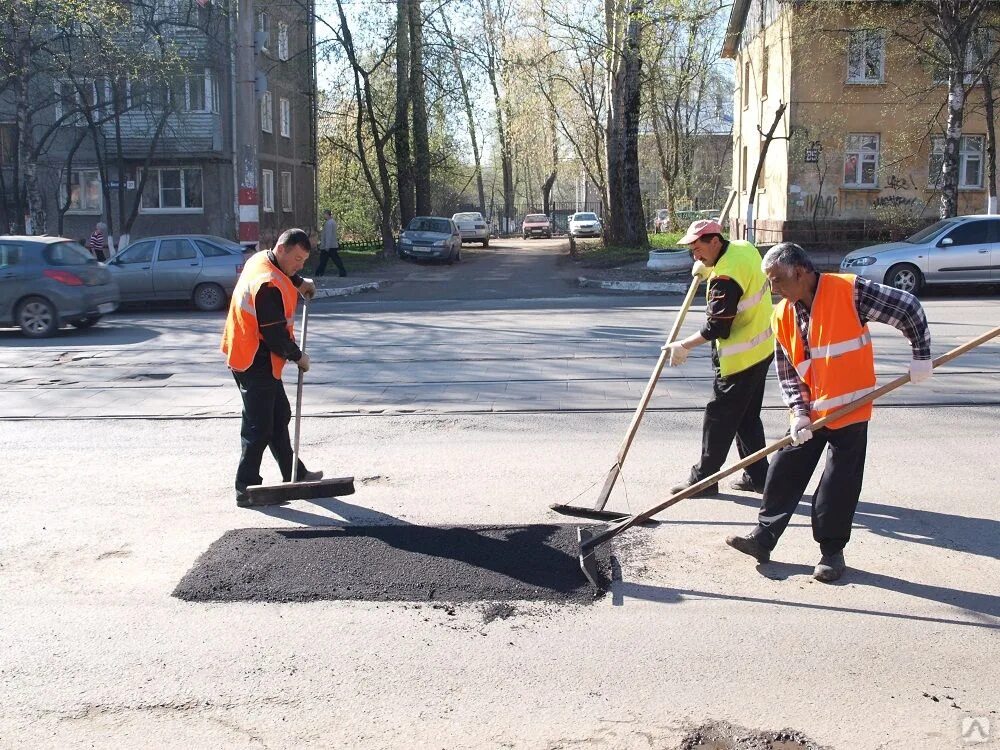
point(794, 392)
point(896, 308)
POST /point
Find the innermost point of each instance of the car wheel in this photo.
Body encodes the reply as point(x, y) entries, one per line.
point(486, 243)
point(87, 322)
point(209, 297)
point(458, 253)
point(37, 317)
point(905, 277)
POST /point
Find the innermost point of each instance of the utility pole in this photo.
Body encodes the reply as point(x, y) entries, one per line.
point(244, 110)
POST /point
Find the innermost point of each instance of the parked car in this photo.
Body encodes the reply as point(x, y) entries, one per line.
point(48, 281)
point(472, 226)
point(431, 237)
point(661, 220)
point(196, 267)
point(536, 225)
point(962, 250)
point(584, 224)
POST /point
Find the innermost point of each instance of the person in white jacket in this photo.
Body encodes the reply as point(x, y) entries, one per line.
point(329, 246)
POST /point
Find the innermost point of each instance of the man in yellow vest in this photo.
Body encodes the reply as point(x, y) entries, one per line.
point(824, 358)
point(257, 341)
point(738, 321)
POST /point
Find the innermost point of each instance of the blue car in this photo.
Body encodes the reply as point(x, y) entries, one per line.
point(46, 282)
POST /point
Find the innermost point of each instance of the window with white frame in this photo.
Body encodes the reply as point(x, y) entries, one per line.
point(285, 117)
point(172, 190)
point(765, 64)
point(286, 192)
point(861, 160)
point(746, 84)
point(93, 95)
point(213, 90)
point(866, 56)
point(84, 191)
point(266, 113)
point(282, 40)
point(970, 162)
point(267, 190)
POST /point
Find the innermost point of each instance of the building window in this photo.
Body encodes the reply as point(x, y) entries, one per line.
point(267, 190)
point(764, 68)
point(266, 113)
point(286, 191)
point(75, 96)
point(970, 162)
point(213, 91)
point(743, 170)
point(285, 113)
point(746, 84)
point(282, 41)
point(173, 190)
point(84, 191)
point(866, 57)
point(195, 99)
point(861, 160)
point(263, 23)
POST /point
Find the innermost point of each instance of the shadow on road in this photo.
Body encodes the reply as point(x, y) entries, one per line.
point(103, 334)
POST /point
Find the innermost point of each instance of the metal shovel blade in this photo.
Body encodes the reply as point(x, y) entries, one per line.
point(275, 494)
point(588, 562)
point(582, 512)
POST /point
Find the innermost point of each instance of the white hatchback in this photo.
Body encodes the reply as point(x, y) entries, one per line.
point(472, 226)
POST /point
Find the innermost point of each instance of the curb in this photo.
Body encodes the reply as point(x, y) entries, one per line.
point(634, 286)
point(344, 291)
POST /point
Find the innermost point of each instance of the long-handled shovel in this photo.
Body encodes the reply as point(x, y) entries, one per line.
point(589, 540)
point(274, 494)
point(598, 511)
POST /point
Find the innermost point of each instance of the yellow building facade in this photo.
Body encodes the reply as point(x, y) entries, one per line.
point(857, 153)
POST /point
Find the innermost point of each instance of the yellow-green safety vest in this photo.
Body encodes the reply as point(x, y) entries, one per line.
point(751, 338)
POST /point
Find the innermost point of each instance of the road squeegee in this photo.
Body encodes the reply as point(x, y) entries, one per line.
point(275, 494)
point(598, 512)
point(590, 539)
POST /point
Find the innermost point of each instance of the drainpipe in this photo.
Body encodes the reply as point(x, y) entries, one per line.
point(232, 124)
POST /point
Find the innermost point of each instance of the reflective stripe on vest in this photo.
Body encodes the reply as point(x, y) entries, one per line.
point(840, 367)
point(834, 350)
point(749, 340)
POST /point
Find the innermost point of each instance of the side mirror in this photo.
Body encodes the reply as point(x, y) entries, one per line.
point(946, 242)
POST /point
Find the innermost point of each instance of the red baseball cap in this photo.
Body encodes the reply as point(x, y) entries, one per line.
point(699, 229)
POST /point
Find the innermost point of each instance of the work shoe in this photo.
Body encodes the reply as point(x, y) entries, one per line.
point(311, 476)
point(711, 491)
point(830, 568)
point(750, 545)
point(746, 484)
point(242, 499)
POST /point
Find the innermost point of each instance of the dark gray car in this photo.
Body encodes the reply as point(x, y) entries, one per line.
point(198, 268)
point(48, 281)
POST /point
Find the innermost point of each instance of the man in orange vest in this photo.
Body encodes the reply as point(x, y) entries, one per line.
point(824, 358)
point(257, 341)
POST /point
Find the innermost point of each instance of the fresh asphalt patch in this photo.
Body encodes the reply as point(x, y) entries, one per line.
point(409, 563)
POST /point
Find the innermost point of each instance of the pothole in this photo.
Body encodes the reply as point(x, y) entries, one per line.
point(724, 736)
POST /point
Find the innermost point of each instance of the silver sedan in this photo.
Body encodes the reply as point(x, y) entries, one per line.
point(200, 268)
point(431, 237)
point(962, 250)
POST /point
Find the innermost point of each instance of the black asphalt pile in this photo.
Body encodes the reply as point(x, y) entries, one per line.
point(724, 736)
point(393, 563)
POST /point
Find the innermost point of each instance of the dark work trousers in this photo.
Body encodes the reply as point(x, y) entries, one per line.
point(836, 497)
point(266, 414)
point(330, 253)
point(734, 412)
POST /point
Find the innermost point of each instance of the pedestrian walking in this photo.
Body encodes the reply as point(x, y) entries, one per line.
point(329, 246)
point(738, 322)
point(825, 360)
point(258, 340)
point(98, 241)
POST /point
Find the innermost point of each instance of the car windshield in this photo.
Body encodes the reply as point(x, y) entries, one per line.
point(422, 224)
point(67, 254)
point(932, 231)
point(468, 217)
point(536, 218)
point(585, 217)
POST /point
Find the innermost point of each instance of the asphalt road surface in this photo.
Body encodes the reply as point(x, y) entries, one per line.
point(109, 504)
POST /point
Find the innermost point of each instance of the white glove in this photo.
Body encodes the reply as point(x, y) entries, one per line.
point(307, 288)
point(678, 354)
point(303, 363)
point(700, 270)
point(798, 428)
point(921, 370)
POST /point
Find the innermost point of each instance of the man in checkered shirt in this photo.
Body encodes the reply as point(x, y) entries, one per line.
point(824, 359)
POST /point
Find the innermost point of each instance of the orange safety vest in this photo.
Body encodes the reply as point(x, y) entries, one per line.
point(241, 338)
point(840, 367)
